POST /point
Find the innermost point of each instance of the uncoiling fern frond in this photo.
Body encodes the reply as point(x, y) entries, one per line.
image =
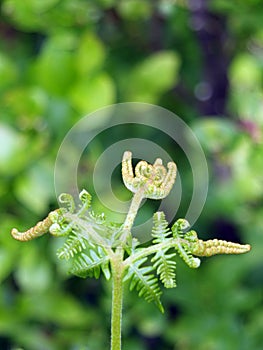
point(94, 246)
point(84, 222)
point(186, 255)
point(145, 282)
point(182, 245)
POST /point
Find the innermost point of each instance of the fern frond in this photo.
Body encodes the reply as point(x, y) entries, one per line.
point(180, 227)
point(98, 219)
point(85, 198)
point(163, 263)
point(40, 228)
point(61, 229)
point(160, 230)
point(74, 244)
point(108, 231)
point(91, 263)
point(145, 283)
point(186, 255)
point(182, 244)
point(165, 267)
point(68, 200)
point(215, 246)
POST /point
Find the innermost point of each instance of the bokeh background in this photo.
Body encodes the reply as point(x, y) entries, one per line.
point(62, 59)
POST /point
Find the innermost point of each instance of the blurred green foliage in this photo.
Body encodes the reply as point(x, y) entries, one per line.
point(60, 60)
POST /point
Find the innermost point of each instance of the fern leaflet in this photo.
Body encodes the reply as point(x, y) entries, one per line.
point(91, 263)
point(160, 230)
point(73, 245)
point(163, 263)
point(165, 267)
point(145, 283)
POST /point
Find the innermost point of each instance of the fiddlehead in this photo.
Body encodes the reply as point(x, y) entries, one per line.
point(40, 228)
point(198, 247)
point(182, 245)
point(85, 198)
point(68, 200)
point(180, 227)
point(215, 246)
point(154, 180)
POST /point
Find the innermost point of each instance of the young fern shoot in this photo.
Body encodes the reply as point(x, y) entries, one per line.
point(93, 245)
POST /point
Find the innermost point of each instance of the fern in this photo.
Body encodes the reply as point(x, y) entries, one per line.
point(165, 267)
point(186, 255)
point(180, 227)
point(90, 264)
point(163, 263)
point(145, 283)
point(108, 230)
point(73, 245)
point(94, 246)
point(182, 245)
point(88, 260)
point(160, 230)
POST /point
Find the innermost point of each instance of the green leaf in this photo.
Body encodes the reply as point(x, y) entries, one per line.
point(54, 68)
point(90, 54)
point(107, 3)
point(245, 72)
point(8, 72)
point(35, 188)
point(7, 259)
point(215, 134)
point(33, 273)
point(55, 306)
point(50, 16)
point(155, 75)
point(11, 150)
point(89, 94)
point(20, 12)
point(27, 103)
point(41, 6)
point(135, 9)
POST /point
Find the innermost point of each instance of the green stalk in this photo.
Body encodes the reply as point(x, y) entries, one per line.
point(117, 298)
point(133, 210)
point(117, 268)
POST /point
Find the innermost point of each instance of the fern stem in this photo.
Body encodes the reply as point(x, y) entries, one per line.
point(148, 251)
point(117, 298)
point(134, 207)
